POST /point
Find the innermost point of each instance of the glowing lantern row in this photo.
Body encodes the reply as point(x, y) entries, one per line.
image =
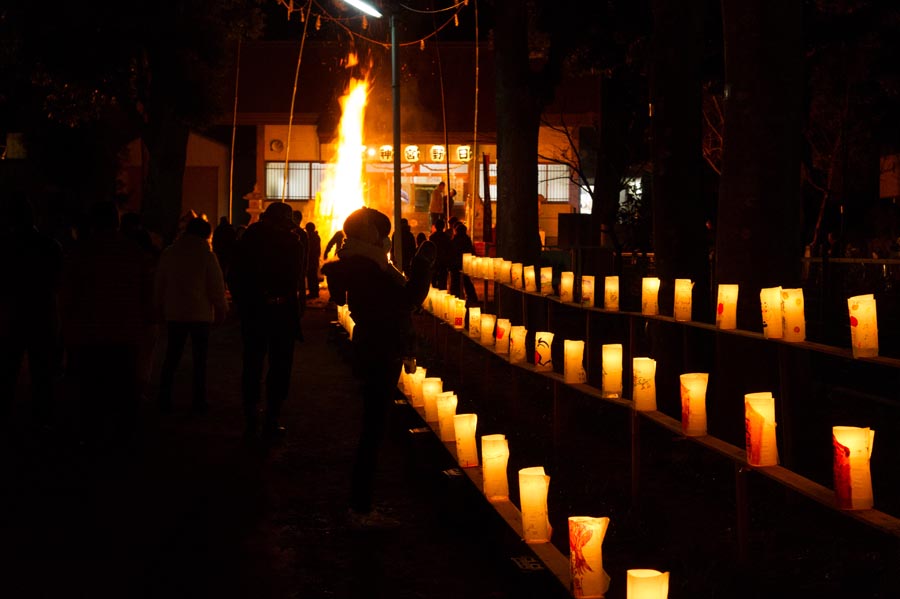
point(475, 322)
point(650, 296)
point(759, 418)
point(726, 307)
point(501, 336)
point(517, 276)
point(587, 291)
point(573, 370)
point(863, 326)
point(530, 282)
point(547, 280)
point(611, 379)
point(517, 344)
point(611, 293)
point(487, 328)
point(586, 535)
point(533, 487)
point(643, 391)
point(446, 409)
point(693, 403)
point(431, 386)
point(543, 340)
point(647, 584)
point(566, 286)
point(683, 299)
point(852, 477)
point(494, 461)
point(466, 450)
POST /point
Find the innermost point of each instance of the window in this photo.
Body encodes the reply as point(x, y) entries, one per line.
point(303, 181)
point(553, 182)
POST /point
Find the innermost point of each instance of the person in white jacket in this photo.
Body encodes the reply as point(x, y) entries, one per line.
point(190, 293)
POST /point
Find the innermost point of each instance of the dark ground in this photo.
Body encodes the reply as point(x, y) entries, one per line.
point(194, 512)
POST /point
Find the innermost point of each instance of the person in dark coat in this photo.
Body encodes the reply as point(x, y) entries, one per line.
point(266, 282)
point(335, 243)
point(444, 253)
point(314, 252)
point(408, 246)
point(462, 244)
point(223, 240)
point(381, 302)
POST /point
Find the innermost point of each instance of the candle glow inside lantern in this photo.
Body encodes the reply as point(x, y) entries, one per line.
point(650, 296)
point(533, 487)
point(416, 381)
point(487, 328)
point(611, 293)
point(459, 313)
point(517, 276)
point(566, 286)
point(487, 267)
point(683, 299)
point(506, 271)
point(546, 280)
point(587, 291)
point(693, 403)
point(467, 263)
point(477, 268)
point(543, 360)
point(586, 534)
point(863, 326)
point(647, 584)
point(431, 386)
point(772, 317)
point(794, 324)
point(530, 282)
point(494, 461)
point(573, 369)
point(644, 388)
point(517, 344)
point(726, 307)
point(759, 419)
point(852, 477)
point(611, 379)
point(501, 345)
point(475, 322)
point(498, 268)
point(446, 408)
point(466, 449)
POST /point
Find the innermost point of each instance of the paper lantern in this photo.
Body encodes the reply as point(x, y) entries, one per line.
point(466, 450)
point(533, 487)
point(543, 340)
point(852, 477)
point(643, 390)
point(650, 296)
point(517, 275)
point(647, 584)
point(475, 322)
point(467, 263)
point(459, 313)
point(611, 379)
point(498, 268)
point(684, 289)
point(487, 267)
point(494, 461)
point(586, 534)
point(794, 325)
point(863, 326)
point(587, 291)
point(487, 328)
point(573, 369)
point(726, 307)
point(759, 420)
point(693, 403)
point(477, 267)
point(446, 408)
point(566, 286)
point(772, 317)
point(501, 336)
point(417, 379)
point(546, 280)
point(517, 344)
point(431, 386)
point(530, 283)
point(506, 271)
point(611, 293)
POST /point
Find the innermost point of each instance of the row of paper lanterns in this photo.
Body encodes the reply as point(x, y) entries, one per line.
point(853, 491)
point(783, 313)
point(586, 533)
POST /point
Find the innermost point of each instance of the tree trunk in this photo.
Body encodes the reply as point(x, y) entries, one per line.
point(758, 240)
point(679, 217)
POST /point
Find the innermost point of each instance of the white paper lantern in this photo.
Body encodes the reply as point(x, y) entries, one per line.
point(417, 379)
point(684, 289)
point(459, 313)
point(466, 449)
point(573, 369)
point(759, 419)
point(792, 309)
point(611, 293)
point(446, 408)
point(863, 326)
point(586, 534)
point(431, 386)
point(693, 403)
point(506, 271)
point(475, 322)
point(611, 379)
point(487, 329)
point(644, 388)
point(772, 316)
point(467, 263)
point(530, 282)
point(501, 336)
point(533, 487)
point(852, 476)
point(650, 296)
point(566, 286)
point(547, 280)
point(495, 459)
point(726, 307)
point(647, 584)
point(517, 275)
point(517, 335)
point(587, 291)
point(543, 341)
